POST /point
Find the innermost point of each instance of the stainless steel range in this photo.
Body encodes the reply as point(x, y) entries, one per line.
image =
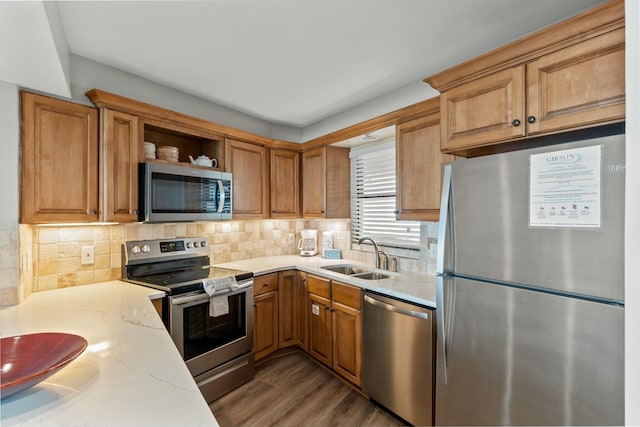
point(208, 310)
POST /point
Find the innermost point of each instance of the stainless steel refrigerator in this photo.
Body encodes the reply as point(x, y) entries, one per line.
point(530, 293)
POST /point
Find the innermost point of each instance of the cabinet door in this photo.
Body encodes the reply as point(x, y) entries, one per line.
point(287, 284)
point(121, 151)
point(484, 111)
point(59, 181)
point(301, 314)
point(313, 183)
point(577, 86)
point(418, 169)
point(265, 320)
point(249, 164)
point(285, 184)
point(320, 329)
point(347, 342)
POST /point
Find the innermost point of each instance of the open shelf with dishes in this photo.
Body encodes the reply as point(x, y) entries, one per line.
point(190, 143)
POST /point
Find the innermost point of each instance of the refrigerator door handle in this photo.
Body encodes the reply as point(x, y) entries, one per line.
point(445, 291)
point(445, 220)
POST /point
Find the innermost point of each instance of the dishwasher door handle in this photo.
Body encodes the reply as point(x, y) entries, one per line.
point(395, 309)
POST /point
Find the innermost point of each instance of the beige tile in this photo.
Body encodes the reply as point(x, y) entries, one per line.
point(157, 231)
point(102, 261)
point(85, 277)
point(67, 280)
point(76, 234)
point(225, 227)
point(117, 232)
point(191, 230)
point(8, 296)
point(69, 249)
point(116, 260)
point(68, 265)
point(116, 273)
point(47, 234)
point(181, 230)
point(169, 231)
point(47, 267)
point(218, 238)
point(103, 247)
point(235, 227)
point(131, 232)
point(102, 233)
point(102, 275)
point(47, 252)
point(46, 283)
point(200, 229)
point(145, 231)
point(115, 247)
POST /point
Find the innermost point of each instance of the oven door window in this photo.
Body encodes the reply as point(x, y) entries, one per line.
point(203, 333)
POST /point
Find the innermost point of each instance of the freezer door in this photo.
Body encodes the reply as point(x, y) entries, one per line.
point(492, 238)
point(508, 356)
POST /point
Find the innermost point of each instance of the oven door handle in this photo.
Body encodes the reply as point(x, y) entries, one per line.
point(186, 299)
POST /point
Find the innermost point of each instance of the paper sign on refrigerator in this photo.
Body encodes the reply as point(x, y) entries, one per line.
point(565, 188)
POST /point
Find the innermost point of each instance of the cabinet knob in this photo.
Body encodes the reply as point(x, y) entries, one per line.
point(94, 212)
point(516, 122)
point(531, 119)
point(396, 212)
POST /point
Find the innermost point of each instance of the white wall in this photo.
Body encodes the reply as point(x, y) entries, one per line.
point(9, 156)
point(400, 98)
point(632, 212)
point(87, 74)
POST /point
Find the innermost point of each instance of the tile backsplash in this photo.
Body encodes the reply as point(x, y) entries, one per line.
point(52, 255)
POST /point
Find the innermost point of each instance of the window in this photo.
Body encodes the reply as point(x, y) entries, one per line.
point(373, 199)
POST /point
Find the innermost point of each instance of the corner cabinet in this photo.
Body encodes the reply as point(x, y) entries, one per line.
point(418, 168)
point(59, 174)
point(285, 184)
point(326, 174)
point(249, 164)
point(567, 76)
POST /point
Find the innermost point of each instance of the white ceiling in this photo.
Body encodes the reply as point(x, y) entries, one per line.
point(295, 62)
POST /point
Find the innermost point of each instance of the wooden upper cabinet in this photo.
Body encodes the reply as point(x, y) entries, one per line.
point(326, 176)
point(59, 174)
point(487, 110)
point(577, 86)
point(285, 184)
point(565, 77)
point(249, 164)
point(418, 168)
point(121, 150)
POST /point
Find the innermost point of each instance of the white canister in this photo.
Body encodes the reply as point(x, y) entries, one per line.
point(327, 240)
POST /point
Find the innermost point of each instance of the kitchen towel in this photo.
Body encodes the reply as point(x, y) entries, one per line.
point(219, 304)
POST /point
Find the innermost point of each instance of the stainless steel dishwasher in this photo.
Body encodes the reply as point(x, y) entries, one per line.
point(398, 356)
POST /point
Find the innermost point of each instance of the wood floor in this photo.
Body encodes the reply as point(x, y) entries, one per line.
point(293, 390)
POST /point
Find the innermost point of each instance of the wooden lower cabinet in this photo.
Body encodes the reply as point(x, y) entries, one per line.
point(347, 331)
point(265, 315)
point(320, 329)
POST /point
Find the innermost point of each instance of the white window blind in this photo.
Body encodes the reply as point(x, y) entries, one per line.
point(373, 200)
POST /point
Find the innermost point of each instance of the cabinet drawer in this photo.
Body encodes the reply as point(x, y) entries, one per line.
point(346, 294)
point(319, 286)
point(266, 283)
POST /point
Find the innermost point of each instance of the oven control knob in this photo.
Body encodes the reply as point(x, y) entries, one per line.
point(146, 249)
point(196, 244)
point(135, 250)
point(203, 243)
point(189, 245)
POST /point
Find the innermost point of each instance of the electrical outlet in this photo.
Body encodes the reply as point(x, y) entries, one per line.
point(292, 238)
point(88, 255)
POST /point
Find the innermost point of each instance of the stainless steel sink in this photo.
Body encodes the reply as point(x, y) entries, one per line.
point(371, 275)
point(345, 269)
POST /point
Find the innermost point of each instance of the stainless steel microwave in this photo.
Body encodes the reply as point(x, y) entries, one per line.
point(174, 193)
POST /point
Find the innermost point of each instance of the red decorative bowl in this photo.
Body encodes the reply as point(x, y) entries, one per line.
point(26, 360)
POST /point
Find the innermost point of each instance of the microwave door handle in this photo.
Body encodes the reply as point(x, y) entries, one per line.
point(221, 196)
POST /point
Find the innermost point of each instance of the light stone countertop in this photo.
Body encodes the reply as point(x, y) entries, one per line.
point(408, 286)
point(131, 374)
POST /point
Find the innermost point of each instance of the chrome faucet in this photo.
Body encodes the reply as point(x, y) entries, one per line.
point(375, 248)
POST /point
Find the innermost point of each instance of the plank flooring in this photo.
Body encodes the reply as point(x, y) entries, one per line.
point(293, 390)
